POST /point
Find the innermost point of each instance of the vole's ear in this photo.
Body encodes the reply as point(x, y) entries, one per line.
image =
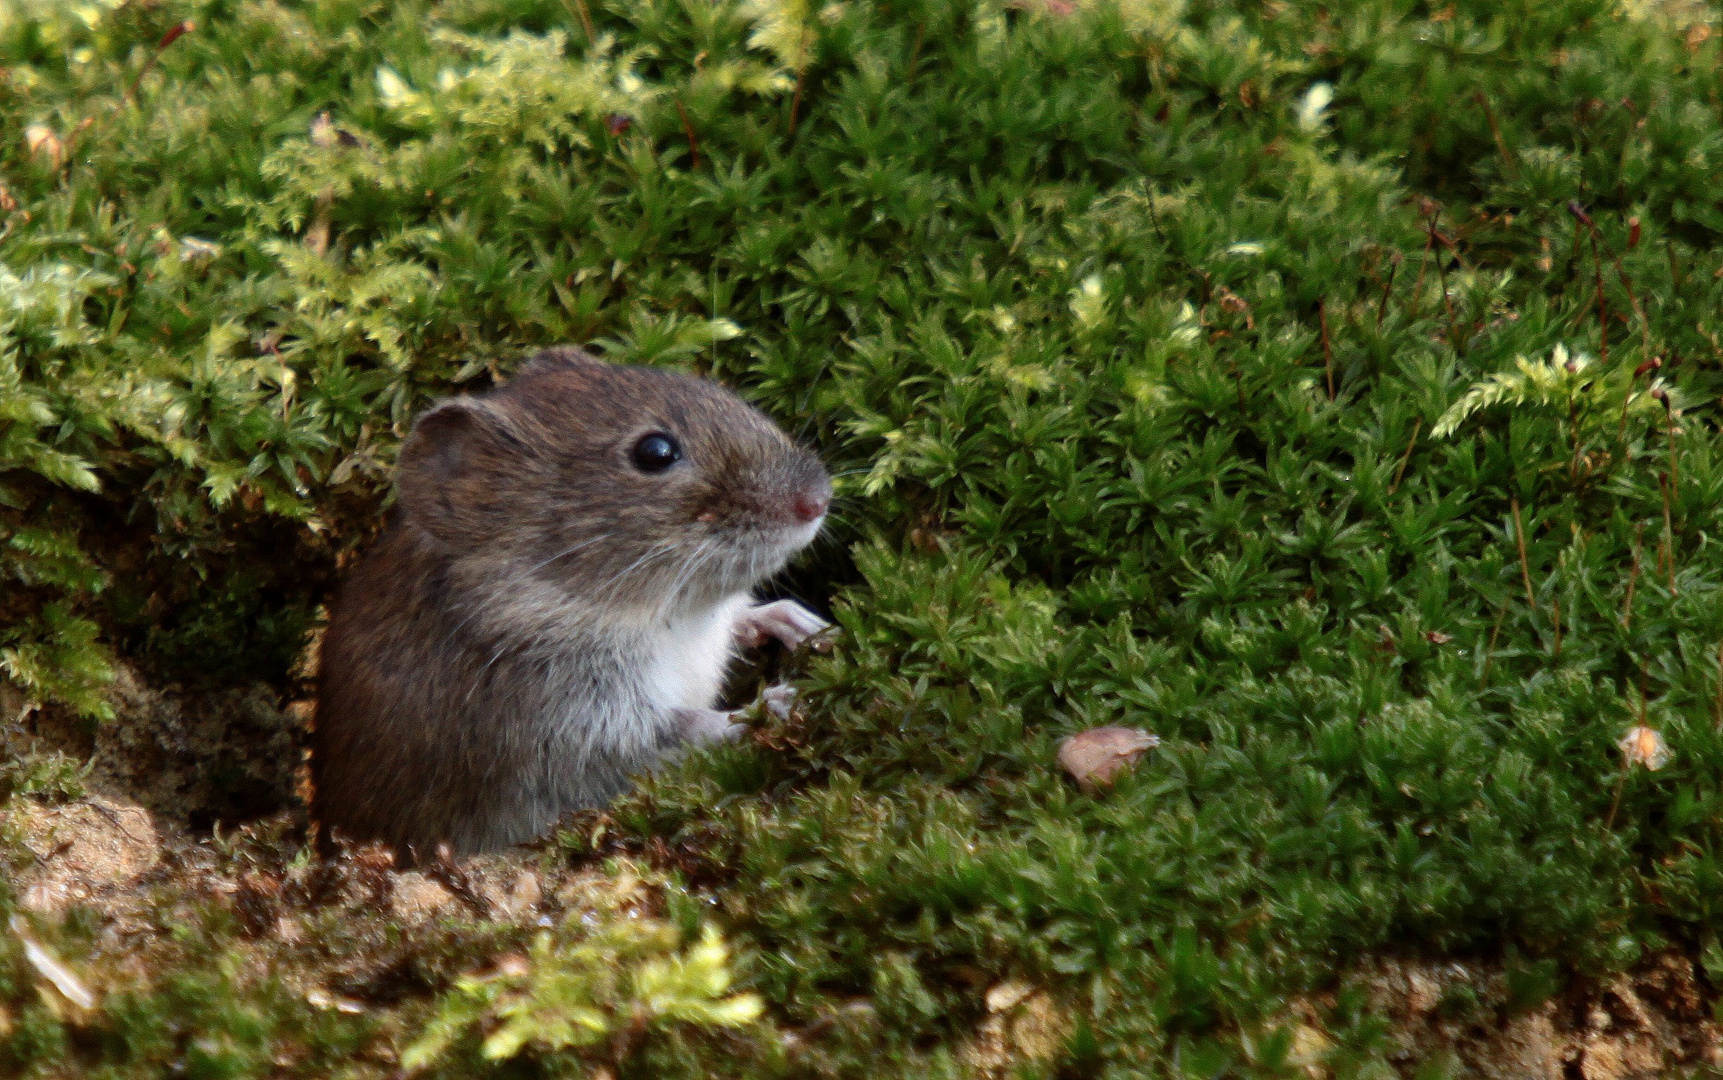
point(558, 358)
point(451, 469)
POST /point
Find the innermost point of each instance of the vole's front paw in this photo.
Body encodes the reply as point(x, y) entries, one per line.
point(703, 726)
point(780, 701)
point(786, 620)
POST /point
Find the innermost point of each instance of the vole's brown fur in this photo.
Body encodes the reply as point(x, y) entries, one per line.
point(542, 617)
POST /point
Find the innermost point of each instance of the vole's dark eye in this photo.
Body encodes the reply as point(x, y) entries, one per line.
point(656, 452)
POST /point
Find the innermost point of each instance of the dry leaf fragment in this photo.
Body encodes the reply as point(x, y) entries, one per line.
point(1007, 995)
point(48, 966)
point(40, 141)
point(1095, 757)
point(1645, 746)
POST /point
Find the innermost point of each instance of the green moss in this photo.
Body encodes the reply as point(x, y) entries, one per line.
point(1211, 368)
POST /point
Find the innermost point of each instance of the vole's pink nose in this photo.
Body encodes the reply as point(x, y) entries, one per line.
point(809, 505)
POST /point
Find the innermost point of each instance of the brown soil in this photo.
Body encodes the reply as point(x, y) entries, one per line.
point(1653, 1021)
point(190, 759)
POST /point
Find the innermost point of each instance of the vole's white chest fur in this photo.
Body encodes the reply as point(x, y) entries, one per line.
point(682, 658)
point(613, 681)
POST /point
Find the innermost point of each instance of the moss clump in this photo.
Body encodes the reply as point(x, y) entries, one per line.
point(1329, 390)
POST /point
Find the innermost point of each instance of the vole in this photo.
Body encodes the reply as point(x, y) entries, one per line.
point(551, 609)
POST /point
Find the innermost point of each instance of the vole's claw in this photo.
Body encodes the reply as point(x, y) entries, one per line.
point(704, 726)
point(786, 620)
point(779, 700)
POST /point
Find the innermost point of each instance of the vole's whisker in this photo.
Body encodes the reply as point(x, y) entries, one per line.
point(471, 690)
point(686, 574)
point(477, 608)
point(528, 572)
point(690, 569)
point(566, 551)
point(711, 556)
point(656, 551)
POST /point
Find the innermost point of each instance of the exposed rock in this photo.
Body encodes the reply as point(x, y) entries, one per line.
point(84, 850)
point(1024, 1026)
point(417, 897)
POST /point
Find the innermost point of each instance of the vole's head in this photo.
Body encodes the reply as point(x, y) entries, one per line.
point(627, 487)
